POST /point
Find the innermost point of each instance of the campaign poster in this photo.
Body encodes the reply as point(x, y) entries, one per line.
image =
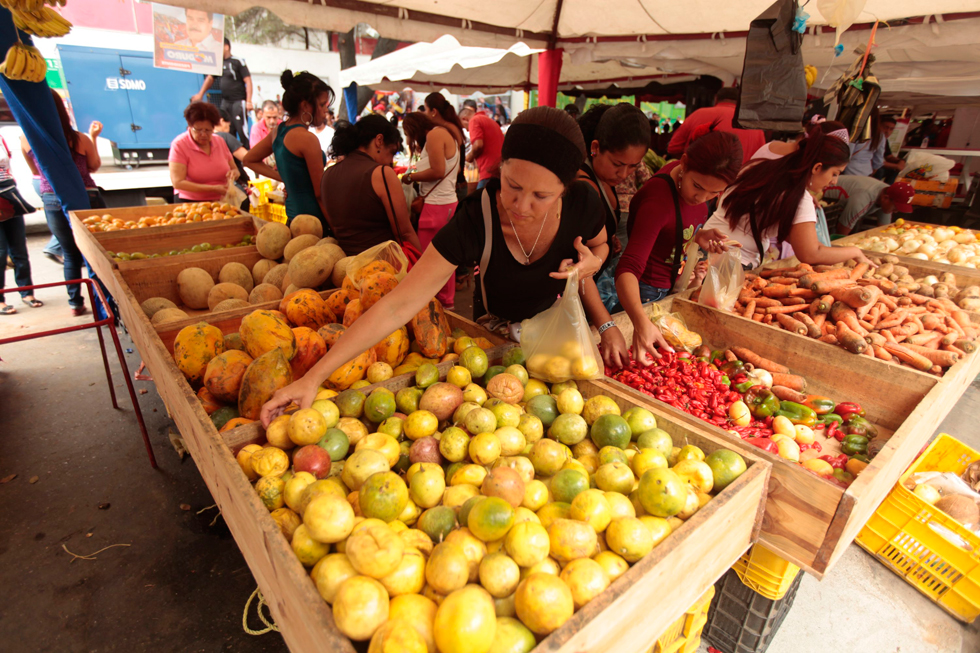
point(188, 39)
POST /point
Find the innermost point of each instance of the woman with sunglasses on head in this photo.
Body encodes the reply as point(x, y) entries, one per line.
point(543, 224)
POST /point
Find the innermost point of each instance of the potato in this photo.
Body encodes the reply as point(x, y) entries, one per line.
point(889, 258)
point(969, 291)
point(900, 270)
point(926, 291)
point(948, 278)
point(885, 270)
point(971, 304)
point(940, 290)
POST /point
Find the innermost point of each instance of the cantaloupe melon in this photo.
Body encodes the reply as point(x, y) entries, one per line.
point(339, 272)
point(193, 286)
point(306, 224)
point(261, 268)
point(297, 245)
point(312, 267)
point(230, 304)
point(275, 276)
point(290, 289)
point(264, 292)
point(272, 239)
point(154, 304)
point(165, 315)
point(223, 291)
point(237, 273)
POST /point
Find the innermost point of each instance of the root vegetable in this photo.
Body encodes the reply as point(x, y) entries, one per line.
point(749, 356)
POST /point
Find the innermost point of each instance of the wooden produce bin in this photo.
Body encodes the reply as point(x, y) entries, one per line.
point(917, 267)
point(633, 611)
point(810, 521)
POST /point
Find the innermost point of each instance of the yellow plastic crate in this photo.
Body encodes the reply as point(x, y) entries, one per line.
point(924, 545)
point(269, 212)
point(264, 187)
point(684, 635)
point(765, 573)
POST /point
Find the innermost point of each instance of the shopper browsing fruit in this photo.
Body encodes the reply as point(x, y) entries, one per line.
point(201, 165)
point(541, 221)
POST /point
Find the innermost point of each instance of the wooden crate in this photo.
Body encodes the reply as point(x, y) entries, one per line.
point(964, 276)
point(810, 521)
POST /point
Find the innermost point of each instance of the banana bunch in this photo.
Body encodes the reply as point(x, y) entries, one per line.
point(811, 75)
point(30, 5)
point(44, 22)
point(24, 62)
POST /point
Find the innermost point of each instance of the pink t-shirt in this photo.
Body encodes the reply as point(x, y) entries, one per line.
point(202, 168)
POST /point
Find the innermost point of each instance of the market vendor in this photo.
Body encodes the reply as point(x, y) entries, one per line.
point(201, 166)
point(769, 200)
point(869, 198)
point(299, 159)
point(543, 225)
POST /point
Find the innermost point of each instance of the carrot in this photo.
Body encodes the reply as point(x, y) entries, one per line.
point(794, 301)
point(956, 350)
point(767, 318)
point(802, 293)
point(923, 339)
point(812, 330)
point(919, 299)
point(834, 274)
point(749, 309)
point(785, 281)
point(788, 394)
point(889, 336)
point(906, 355)
point(791, 324)
point(758, 317)
point(875, 338)
point(791, 381)
point(776, 292)
point(850, 339)
point(749, 356)
point(896, 319)
point(859, 270)
point(941, 358)
point(963, 320)
point(867, 326)
point(819, 319)
point(775, 272)
point(968, 346)
point(888, 302)
point(853, 296)
point(840, 312)
point(886, 286)
point(825, 286)
point(766, 302)
point(830, 339)
point(931, 321)
point(881, 353)
point(775, 310)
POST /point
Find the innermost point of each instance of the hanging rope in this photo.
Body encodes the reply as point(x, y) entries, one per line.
point(270, 625)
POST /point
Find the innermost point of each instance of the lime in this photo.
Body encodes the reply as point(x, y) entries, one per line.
point(567, 484)
point(610, 430)
point(545, 408)
point(514, 356)
point(426, 375)
point(379, 407)
point(335, 443)
point(492, 372)
point(726, 466)
point(640, 420)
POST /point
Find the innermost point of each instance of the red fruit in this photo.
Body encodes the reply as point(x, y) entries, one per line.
point(312, 459)
point(505, 483)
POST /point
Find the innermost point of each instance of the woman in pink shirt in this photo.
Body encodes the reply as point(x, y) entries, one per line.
point(201, 166)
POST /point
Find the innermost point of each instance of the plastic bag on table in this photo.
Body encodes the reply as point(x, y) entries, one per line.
point(558, 342)
point(673, 328)
point(724, 280)
point(388, 252)
point(234, 196)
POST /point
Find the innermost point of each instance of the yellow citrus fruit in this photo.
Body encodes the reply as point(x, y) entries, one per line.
point(585, 367)
point(270, 489)
point(326, 393)
point(353, 428)
point(499, 575)
point(535, 495)
point(329, 518)
point(598, 406)
point(612, 563)
point(287, 520)
point(419, 612)
point(466, 619)
point(306, 426)
point(548, 457)
point(690, 452)
point(375, 551)
point(457, 495)
point(327, 408)
point(427, 486)
point(568, 483)
point(420, 424)
point(474, 549)
point(416, 539)
point(269, 461)
point(543, 603)
point(462, 344)
point(408, 577)
point(619, 506)
point(629, 538)
point(387, 445)
point(397, 636)
point(295, 487)
point(308, 550)
point(511, 636)
point(532, 428)
point(469, 475)
point(474, 394)
point(244, 459)
point(647, 459)
point(360, 607)
point(447, 569)
point(570, 401)
point(490, 519)
point(546, 566)
point(315, 489)
point(527, 543)
point(571, 539)
point(378, 372)
point(512, 441)
point(505, 608)
point(522, 514)
point(534, 387)
point(592, 508)
point(586, 579)
point(459, 376)
point(361, 465)
point(277, 434)
point(615, 477)
point(659, 528)
point(552, 511)
point(383, 496)
point(696, 474)
point(330, 572)
point(484, 448)
point(662, 492)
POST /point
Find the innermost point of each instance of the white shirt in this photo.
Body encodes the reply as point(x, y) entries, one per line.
point(439, 192)
point(325, 137)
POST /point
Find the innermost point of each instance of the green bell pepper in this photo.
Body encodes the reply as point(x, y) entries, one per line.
point(831, 417)
point(732, 368)
point(797, 413)
point(762, 402)
point(744, 387)
point(820, 405)
point(718, 355)
point(726, 380)
point(857, 425)
point(844, 476)
point(854, 444)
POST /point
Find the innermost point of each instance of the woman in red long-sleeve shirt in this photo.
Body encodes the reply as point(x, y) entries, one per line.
point(679, 193)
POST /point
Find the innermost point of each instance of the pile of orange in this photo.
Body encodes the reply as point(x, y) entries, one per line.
point(181, 214)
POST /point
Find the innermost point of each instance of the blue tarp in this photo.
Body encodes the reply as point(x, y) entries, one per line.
point(350, 99)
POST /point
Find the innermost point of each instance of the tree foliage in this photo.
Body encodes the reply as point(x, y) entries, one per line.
point(262, 27)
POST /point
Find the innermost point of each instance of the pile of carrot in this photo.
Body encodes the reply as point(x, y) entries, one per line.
point(847, 306)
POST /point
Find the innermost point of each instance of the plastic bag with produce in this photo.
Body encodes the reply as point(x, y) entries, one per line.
point(558, 342)
point(673, 328)
point(724, 280)
point(388, 252)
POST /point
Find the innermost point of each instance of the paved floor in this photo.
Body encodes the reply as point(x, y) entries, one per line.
point(182, 584)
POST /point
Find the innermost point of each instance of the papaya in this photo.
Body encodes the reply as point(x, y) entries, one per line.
point(223, 376)
point(267, 373)
point(331, 333)
point(310, 348)
point(263, 331)
point(349, 286)
point(353, 311)
point(376, 286)
point(194, 348)
point(223, 415)
point(307, 309)
point(235, 422)
point(209, 401)
point(374, 267)
point(234, 341)
point(431, 329)
point(351, 371)
point(338, 300)
point(392, 349)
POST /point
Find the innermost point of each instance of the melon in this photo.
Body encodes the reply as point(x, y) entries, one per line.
point(264, 292)
point(290, 289)
point(223, 375)
point(329, 240)
point(165, 315)
point(297, 245)
point(223, 291)
point(154, 304)
point(237, 273)
point(275, 276)
point(339, 272)
point(262, 331)
point(304, 224)
point(195, 346)
point(264, 376)
point(312, 267)
point(272, 239)
point(230, 305)
point(193, 286)
point(261, 268)
point(286, 283)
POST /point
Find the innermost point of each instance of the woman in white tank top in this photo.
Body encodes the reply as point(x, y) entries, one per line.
point(436, 175)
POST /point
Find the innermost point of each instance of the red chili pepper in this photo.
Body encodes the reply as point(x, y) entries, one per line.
point(764, 443)
point(837, 462)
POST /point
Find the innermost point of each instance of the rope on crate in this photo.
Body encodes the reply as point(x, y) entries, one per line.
point(270, 625)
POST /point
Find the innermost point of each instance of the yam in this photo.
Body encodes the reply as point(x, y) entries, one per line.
point(193, 286)
point(237, 273)
point(261, 268)
point(154, 304)
point(311, 267)
point(165, 315)
point(275, 276)
point(297, 245)
point(223, 291)
point(272, 239)
point(305, 224)
point(230, 304)
point(339, 272)
point(264, 292)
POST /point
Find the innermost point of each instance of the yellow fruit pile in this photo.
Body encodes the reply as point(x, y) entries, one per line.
point(476, 517)
point(573, 362)
point(197, 212)
point(24, 62)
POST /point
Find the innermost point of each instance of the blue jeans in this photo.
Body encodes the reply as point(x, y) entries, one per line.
point(13, 241)
point(61, 228)
point(53, 246)
point(647, 294)
point(483, 183)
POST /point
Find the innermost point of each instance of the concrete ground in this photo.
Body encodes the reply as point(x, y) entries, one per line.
point(181, 584)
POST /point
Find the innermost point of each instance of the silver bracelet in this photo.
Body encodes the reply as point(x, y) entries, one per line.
point(608, 325)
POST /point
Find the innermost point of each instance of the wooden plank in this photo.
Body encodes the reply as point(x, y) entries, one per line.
point(158, 277)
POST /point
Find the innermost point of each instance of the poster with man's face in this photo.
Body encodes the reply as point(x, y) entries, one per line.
point(188, 39)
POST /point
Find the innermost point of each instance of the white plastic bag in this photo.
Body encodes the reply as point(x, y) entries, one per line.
point(724, 280)
point(558, 342)
point(925, 165)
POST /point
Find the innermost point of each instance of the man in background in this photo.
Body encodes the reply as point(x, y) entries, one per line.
point(270, 118)
point(868, 197)
point(723, 113)
point(486, 139)
point(236, 91)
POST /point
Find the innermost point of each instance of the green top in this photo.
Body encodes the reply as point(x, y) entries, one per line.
point(300, 195)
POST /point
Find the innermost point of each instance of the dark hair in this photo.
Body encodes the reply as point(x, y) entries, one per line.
point(302, 86)
point(198, 111)
point(572, 109)
point(716, 154)
point(548, 137)
point(417, 126)
point(769, 191)
point(555, 120)
point(227, 42)
point(827, 126)
point(224, 115)
point(616, 127)
point(348, 137)
point(727, 94)
point(270, 104)
point(439, 103)
point(70, 134)
point(466, 103)
point(892, 120)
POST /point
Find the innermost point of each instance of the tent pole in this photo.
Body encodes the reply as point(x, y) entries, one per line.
point(549, 65)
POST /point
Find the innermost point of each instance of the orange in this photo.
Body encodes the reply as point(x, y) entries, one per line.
point(490, 519)
point(375, 551)
point(383, 495)
point(613, 564)
point(308, 550)
point(360, 607)
point(499, 575)
point(466, 619)
point(330, 572)
point(586, 579)
point(543, 602)
point(419, 612)
point(329, 518)
point(527, 543)
point(306, 426)
point(571, 539)
point(447, 569)
point(397, 636)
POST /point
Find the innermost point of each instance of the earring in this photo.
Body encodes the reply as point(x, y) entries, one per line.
point(306, 122)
